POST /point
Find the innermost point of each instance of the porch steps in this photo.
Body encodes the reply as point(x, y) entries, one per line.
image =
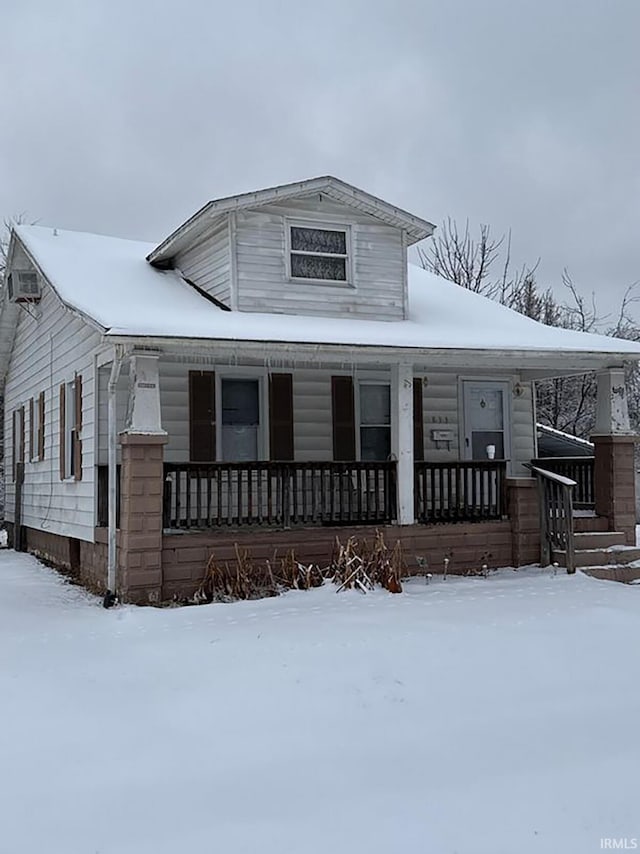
point(603, 554)
point(587, 524)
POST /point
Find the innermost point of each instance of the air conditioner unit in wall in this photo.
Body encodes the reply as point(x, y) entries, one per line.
point(23, 286)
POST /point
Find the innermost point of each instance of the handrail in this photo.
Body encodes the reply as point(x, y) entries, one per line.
point(580, 469)
point(555, 492)
point(553, 475)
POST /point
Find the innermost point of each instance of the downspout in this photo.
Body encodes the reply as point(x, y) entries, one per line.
point(112, 553)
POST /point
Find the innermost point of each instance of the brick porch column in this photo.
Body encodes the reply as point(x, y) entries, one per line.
point(141, 486)
point(614, 476)
point(141, 489)
point(615, 485)
point(524, 514)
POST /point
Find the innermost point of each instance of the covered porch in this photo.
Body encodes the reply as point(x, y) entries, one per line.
point(226, 446)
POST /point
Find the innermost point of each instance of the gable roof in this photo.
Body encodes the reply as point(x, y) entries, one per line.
point(416, 228)
point(108, 280)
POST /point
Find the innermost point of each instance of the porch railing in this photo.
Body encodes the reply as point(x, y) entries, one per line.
point(578, 469)
point(209, 495)
point(555, 494)
point(467, 491)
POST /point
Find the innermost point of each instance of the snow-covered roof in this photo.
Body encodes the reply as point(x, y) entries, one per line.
point(416, 228)
point(109, 281)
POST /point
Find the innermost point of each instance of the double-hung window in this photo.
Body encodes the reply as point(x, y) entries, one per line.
point(375, 421)
point(319, 253)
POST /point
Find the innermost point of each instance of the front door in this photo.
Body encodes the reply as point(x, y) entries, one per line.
point(487, 433)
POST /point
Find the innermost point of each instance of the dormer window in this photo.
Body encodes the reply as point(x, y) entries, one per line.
point(318, 253)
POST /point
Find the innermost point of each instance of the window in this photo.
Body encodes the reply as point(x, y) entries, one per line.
point(32, 432)
point(319, 253)
point(375, 421)
point(240, 419)
point(70, 429)
point(40, 428)
point(18, 438)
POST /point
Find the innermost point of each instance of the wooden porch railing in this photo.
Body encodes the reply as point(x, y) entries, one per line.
point(103, 496)
point(460, 491)
point(556, 516)
point(578, 469)
point(210, 495)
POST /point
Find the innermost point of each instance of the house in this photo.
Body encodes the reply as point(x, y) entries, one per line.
point(273, 374)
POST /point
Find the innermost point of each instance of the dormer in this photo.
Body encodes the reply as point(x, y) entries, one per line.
point(318, 247)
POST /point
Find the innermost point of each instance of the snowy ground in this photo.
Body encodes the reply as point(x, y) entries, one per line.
point(472, 716)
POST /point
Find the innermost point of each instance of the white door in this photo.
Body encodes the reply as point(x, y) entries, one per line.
point(487, 428)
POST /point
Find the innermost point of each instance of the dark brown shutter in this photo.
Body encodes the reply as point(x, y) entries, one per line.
point(32, 428)
point(418, 421)
point(344, 427)
point(41, 426)
point(281, 416)
point(77, 428)
point(62, 428)
point(202, 416)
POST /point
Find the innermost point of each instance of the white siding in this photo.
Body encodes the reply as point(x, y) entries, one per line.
point(207, 263)
point(378, 263)
point(313, 425)
point(49, 349)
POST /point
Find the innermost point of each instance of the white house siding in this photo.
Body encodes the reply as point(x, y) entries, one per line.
point(47, 352)
point(378, 264)
point(122, 399)
point(313, 432)
point(207, 263)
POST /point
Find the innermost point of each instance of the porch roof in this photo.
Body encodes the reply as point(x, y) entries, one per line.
point(109, 281)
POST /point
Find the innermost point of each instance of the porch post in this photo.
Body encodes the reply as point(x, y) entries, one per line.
point(142, 480)
point(402, 439)
point(614, 455)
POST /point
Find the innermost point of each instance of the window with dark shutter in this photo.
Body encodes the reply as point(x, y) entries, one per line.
point(76, 441)
point(202, 420)
point(40, 431)
point(281, 416)
point(32, 426)
point(418, 420)
point(62, 435)
point(18, 439)
point(344, 429)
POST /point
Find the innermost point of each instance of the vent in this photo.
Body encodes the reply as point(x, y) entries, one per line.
point(24, 286)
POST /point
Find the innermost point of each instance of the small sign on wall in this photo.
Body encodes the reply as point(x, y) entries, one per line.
point(442, 435)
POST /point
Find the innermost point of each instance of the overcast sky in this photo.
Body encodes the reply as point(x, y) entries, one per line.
point(125, 117)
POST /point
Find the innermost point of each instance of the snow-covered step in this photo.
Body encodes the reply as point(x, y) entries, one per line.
point(600, 557)
point(626, 574)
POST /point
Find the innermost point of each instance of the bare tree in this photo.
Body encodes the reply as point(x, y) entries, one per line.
point(484, 265)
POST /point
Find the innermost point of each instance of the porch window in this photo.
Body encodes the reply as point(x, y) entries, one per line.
point(319, 253)
point(240, 419)
point(375, 421)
